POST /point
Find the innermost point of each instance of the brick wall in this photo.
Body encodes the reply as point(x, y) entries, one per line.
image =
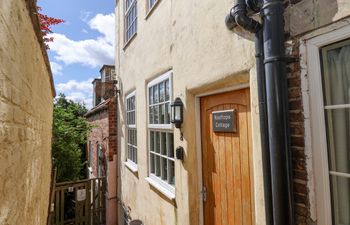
point(112, 117)
point(297, 132)
point(25, 117)
point(99, 134)
point(104, 131)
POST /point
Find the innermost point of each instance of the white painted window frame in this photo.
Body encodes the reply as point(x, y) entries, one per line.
point(165, 188)
point(149, 6)
point(129, 163)
point(126, 14)
point(317, 121)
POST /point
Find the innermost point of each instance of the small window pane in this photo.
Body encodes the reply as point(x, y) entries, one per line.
point(171, 172)
point(157, 143)
point(152, 141)
point(167, 89)
point(170, 139)
point(155, 94)
point(340, 199)
point(150, 94)
point(158, 166)
point(164, 169)
point(161, 114)
point(336, 72)
point(152, 163)
point(156, 114)
point(163, 143)
point(338, 132)
point(151, 114)
point(167, 114)
point(161, 92)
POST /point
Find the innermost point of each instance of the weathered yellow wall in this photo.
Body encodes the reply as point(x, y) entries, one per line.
point(25, 120)
point(189, 38)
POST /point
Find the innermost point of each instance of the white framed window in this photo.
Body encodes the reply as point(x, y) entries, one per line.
point(130, 19)
point(161, 137)
point(131, 129)
point(328, 58)
point(151, 4)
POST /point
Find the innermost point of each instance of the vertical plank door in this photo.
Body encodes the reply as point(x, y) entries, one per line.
point(226, 161)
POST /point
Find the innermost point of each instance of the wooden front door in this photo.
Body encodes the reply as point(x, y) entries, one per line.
point(226, 160)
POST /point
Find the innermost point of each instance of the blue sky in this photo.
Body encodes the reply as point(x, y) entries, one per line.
point(81, 45)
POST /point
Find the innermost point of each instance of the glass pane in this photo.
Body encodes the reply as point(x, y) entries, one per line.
point(156, 114)
point(135, 137)
point(161, 92)
point(135, 155)
point(158, 165)
point(167, 90)
point(151, 114)
point(151, 141)
point(171, 179)
point(164, 169)
point(340, 200)
point(161, 113)
point(129, 136)
point(336, 73)
point(150, 93)
point(155, 94)
point(133, 103)
point(338, 132)
point(157, 143)
point(170, 139)
point(167, 114)
point(163, 143)
point(152, 163)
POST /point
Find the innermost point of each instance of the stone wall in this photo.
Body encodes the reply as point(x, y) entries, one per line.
point(26, 94)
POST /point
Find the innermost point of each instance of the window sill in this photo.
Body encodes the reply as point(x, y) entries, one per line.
point(131, 166)
point(157, 185)
point(126, 44)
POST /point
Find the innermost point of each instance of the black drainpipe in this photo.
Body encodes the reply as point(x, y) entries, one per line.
point(277, 110)
point(273, 103)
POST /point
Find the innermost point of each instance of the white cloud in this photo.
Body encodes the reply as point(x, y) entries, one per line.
point(56, 68)
point(105, 25)
point(77, 91)
point(91, 52)
point(73, 85)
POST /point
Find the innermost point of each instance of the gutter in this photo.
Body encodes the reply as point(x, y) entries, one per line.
point(273, 102)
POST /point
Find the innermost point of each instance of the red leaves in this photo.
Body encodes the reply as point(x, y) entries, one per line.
point(45, 25)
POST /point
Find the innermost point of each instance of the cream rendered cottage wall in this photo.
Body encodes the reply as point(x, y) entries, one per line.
point(189, 38)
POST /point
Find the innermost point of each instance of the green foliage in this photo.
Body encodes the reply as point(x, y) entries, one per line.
point(70, 130)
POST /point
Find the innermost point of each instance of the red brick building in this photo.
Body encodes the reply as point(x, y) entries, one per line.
point(102, 141)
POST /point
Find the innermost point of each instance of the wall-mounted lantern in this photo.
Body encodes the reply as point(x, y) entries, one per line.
point(177, 112)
